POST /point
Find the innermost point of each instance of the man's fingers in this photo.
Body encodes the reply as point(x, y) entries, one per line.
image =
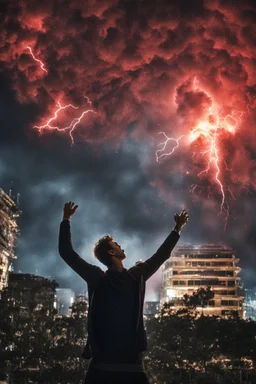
point(69, 204)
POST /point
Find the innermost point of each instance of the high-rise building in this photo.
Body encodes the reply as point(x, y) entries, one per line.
point(9, 213)
point(64, 300)
point(80, 306)
point(30, 294)
point(151, 308)
point(250, 303)
point(191, 267)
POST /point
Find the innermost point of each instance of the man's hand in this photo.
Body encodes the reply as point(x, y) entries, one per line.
point(69, 210)
point(180, 220)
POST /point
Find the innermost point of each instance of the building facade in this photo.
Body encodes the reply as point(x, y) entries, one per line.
point(30, 294)
point(9, 230)
point(193, 267)
point(80, 306)
point(151, 308)
point(250, 303)
point(64, 300)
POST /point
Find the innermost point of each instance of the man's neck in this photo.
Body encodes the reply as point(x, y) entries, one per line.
point(117, 265)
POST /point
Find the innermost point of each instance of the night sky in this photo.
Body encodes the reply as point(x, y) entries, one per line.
point(140, 68)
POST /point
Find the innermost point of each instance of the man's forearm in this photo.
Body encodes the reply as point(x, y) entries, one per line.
point(162, 254)
point(88, 272)
point(177, 229)
point(65, 242)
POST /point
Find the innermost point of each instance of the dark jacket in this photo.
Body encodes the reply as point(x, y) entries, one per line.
point(94, 276)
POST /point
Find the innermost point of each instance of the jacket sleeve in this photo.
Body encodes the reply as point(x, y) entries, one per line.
point(151, 265)
point(90, 273)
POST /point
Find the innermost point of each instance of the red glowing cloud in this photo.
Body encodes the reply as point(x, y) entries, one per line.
point(136, 64)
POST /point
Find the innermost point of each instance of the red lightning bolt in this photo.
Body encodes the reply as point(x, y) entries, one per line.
point(71, 127)
point(39, 61)
point(50, 125)
point(164, 144)
point(210, 128)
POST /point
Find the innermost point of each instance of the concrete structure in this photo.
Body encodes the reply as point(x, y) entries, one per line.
point(151, 308)
point(64, 300)
point(191, 267)
point(80, 306)
point(250, 303)
point(9, 213)
point(30, 294)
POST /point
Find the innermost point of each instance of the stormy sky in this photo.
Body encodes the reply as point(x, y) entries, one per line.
point(141, 68)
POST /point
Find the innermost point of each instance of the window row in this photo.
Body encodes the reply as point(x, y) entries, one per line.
point(205, 273)
point(202, 264)
point(230, 303)
point(206, 282)
point(210, 256)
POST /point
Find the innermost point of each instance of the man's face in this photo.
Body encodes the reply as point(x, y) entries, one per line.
point(116, 250)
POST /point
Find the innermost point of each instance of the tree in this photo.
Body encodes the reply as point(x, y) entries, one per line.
point(184, 348)
point(200, 298)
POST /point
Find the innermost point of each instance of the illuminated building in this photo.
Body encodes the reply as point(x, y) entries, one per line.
point(250, 303)
point(192, 267)
point(151, 308)
point(79, 307)
point(64, 300)
point(8, 235)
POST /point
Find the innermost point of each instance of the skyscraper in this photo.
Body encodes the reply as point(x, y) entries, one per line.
point(151, 308)
point(9, 213)
point(64, 300)
point(250, 303)
point(191, 267)
point(30, 293)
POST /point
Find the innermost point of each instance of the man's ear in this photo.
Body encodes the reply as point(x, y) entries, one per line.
point(111, 252)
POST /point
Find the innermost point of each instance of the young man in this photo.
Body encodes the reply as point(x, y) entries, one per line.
point(116, 334)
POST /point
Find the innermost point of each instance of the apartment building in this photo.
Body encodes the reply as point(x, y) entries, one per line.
point(191, 267)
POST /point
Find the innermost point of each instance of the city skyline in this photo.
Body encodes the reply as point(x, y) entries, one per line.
point(153, 288)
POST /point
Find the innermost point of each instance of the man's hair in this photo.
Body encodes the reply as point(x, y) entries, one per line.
point(101, 250)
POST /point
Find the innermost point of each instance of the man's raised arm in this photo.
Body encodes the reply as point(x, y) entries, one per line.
point(151, 265)
point(90, 273)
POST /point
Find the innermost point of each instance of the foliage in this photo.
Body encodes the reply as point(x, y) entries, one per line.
point(185, 347)
point(200, 298)
point(40, 347)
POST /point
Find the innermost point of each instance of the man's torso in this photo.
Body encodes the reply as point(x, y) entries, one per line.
point(114, 317)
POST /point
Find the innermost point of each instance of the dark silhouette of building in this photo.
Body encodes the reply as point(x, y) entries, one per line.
point(29, 293)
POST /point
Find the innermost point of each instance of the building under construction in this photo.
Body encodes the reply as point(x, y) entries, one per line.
point(193, 267)
point(9, 213)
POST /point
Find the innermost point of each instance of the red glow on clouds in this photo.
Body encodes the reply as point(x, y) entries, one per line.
point(59, 118)
point(138, 66)
point(39, 61)
point(211, 128)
